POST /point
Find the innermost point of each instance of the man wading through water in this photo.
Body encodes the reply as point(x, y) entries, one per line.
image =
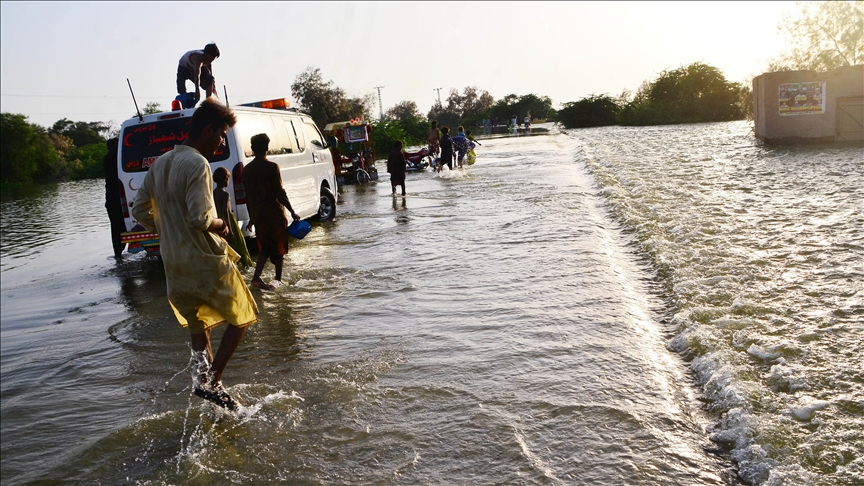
point(267, 201)
point(205, 289)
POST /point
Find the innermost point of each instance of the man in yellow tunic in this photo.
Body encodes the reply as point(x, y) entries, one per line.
point(205, 288)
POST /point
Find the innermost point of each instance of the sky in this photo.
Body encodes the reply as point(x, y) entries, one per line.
point(72, 59)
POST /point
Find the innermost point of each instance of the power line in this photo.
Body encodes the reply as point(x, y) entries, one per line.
point(125, 97)
point(61, 96)
point(77, 114)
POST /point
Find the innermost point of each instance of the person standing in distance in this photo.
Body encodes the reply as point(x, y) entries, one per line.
point(205, 289)
point(396, 167)
point(112, 197)
point(446, 150)
point(433, 138)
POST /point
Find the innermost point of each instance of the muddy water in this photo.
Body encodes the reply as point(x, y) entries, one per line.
point(513, 322)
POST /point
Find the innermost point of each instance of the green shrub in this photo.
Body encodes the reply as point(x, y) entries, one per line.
point(593, 111)
point(384, 134)
point(691, 94)
point(88, 161)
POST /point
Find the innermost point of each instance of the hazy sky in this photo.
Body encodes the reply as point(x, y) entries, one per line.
point(72, 59)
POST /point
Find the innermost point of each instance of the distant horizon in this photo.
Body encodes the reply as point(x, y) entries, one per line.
point(544, 48)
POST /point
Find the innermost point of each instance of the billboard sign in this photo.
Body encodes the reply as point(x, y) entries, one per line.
point(802, 98)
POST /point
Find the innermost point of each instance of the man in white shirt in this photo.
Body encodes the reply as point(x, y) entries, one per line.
point(196, 66)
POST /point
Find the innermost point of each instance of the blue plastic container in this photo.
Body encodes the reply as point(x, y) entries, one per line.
point(299, 229)
point(188, 100)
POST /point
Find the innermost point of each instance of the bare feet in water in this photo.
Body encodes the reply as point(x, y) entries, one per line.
point(260, 284)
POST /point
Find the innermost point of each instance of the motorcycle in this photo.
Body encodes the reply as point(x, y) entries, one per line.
point(418, 160)
point(359, 167)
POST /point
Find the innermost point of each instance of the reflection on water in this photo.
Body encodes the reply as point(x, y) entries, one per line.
point(506, 323)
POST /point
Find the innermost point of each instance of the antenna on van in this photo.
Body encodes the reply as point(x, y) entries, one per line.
point(140, 118)
point(225, 89)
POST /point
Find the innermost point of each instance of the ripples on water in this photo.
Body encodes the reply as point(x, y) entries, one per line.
point(761, 251)
point(497, 326)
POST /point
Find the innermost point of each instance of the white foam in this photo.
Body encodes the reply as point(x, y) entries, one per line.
point(721, 382)
point(446, 173)
point(790, 474)
point(753, 464)
point(763, 353)
point(785, 376)
point(807, 408)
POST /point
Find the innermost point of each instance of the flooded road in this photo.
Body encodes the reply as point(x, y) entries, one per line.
point(503, 324)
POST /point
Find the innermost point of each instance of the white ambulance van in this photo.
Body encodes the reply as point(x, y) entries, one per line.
point(296, 145)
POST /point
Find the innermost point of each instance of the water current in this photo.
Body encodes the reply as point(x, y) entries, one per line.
point(661, 305)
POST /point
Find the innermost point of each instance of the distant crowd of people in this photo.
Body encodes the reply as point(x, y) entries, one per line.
point(449, 149)
point(490, 125)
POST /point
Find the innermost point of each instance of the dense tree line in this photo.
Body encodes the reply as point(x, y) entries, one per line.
point(68, 150)
point(690, 94)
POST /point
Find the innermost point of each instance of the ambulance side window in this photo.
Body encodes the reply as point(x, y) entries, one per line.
point(281, 144)
point(253, 124)
point(297, 130)
point(314, 135)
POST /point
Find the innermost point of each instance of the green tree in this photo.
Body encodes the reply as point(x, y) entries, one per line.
point(415, 130)
point(151, 108)
point(325, 102)
point(86, 161)
point(447, 116)
point(17, 143)
point(462, 109)
point(691, 94)
point(413, 124)
point(27, 151)
point(81, 133)
point(535, 106)
point(403, 110)
point(384, 133)
point(591, 111)
point(822, 36)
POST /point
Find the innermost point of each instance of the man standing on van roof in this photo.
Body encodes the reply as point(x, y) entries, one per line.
point(205, 289)
point(196, 66)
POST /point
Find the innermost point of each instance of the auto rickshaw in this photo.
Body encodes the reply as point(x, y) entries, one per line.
point(353, 152)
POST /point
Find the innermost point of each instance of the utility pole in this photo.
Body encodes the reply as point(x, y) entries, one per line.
point(439, 94)
point(380, 107)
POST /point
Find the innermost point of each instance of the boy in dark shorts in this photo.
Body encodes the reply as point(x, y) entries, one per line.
point(222, 201)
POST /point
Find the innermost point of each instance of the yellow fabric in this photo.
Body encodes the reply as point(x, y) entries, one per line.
point(205, 288)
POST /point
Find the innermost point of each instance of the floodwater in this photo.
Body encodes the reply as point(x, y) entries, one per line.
point(661, 305)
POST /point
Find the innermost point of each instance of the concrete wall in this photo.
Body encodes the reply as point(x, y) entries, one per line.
point(842, 83)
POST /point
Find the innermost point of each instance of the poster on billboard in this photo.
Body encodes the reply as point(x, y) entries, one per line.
point(802, 98)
